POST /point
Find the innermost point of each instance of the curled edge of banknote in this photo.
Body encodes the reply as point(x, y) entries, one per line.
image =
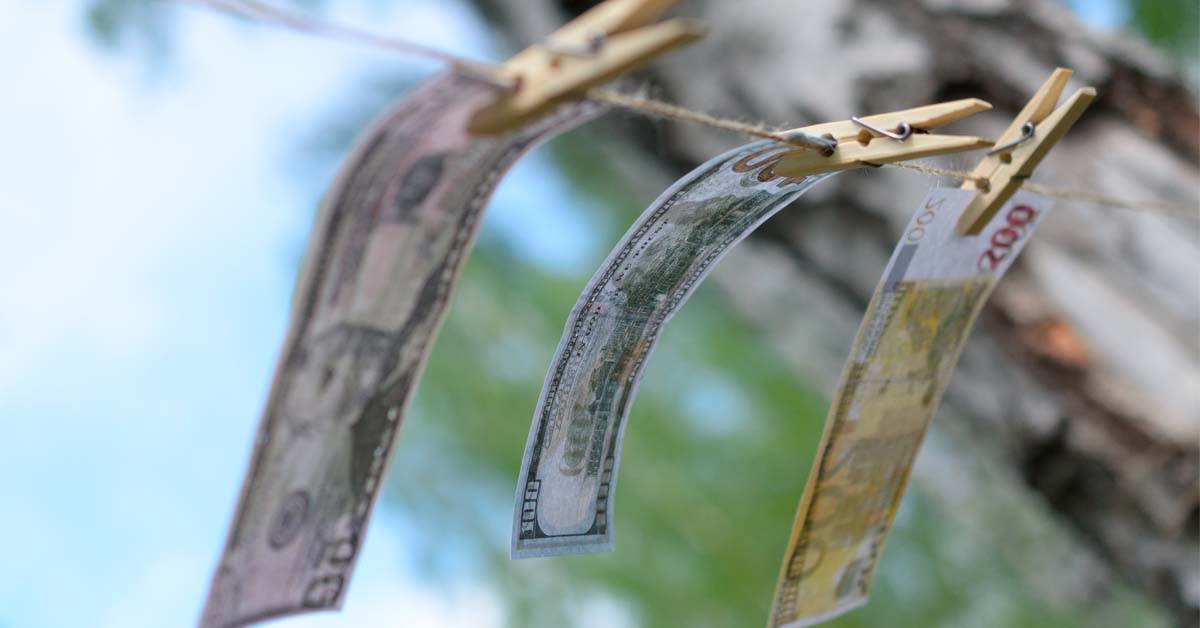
point(742, 191)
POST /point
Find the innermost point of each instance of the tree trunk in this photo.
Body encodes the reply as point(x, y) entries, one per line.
point(1077, 401)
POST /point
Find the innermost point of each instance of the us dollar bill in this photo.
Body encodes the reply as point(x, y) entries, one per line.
point(903, 355)
point(564, 499)
point(385, 252)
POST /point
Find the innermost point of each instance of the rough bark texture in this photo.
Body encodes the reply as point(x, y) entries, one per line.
point(1077, 401)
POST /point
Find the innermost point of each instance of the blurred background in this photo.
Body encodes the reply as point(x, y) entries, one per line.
point(161, 168)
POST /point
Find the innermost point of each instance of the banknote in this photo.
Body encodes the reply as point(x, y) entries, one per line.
point(564, 500)
point(385, 252)
point(907, 345)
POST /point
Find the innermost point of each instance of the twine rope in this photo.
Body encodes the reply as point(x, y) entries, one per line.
point(644, 105)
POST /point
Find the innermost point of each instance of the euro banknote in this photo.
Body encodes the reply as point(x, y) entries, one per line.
point(903, 355)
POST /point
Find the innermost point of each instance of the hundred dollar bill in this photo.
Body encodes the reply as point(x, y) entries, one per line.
point(385, 252)
point(916, 323)
point(564, 499)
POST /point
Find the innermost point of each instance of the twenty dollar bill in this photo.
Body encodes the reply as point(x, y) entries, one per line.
point(385, 252)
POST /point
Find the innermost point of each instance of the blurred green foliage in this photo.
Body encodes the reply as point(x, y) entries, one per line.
point(1172, 24)
point(110, 22)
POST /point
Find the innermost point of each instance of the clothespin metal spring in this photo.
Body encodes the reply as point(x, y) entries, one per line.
point(1027, 132)
point(902, 132)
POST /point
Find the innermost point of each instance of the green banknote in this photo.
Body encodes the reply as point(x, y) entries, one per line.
point(564, 500)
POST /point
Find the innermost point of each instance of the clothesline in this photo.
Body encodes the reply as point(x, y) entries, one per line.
point(640, 104)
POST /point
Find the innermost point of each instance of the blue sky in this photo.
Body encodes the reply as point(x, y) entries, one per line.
point(151, 227)
point(152, 223)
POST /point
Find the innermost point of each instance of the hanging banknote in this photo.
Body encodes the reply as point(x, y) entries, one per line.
point(385, 252)
point(906, 348)
point(564, 500)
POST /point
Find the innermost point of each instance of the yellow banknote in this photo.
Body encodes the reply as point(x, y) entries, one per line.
point(905, 351)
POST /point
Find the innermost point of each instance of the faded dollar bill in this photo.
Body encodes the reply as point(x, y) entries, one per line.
point(564, 500)
point(385, 252)
point(902, 358)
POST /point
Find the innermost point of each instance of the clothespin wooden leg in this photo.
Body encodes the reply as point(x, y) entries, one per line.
point(1021, 148)
point(884, 138)
point(603, 43)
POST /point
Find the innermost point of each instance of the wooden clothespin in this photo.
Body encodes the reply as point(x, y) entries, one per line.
point(884, 138)
point(606, 41)
point(1021, 148)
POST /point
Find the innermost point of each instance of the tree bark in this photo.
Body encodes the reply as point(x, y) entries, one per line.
point(1077, 400)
